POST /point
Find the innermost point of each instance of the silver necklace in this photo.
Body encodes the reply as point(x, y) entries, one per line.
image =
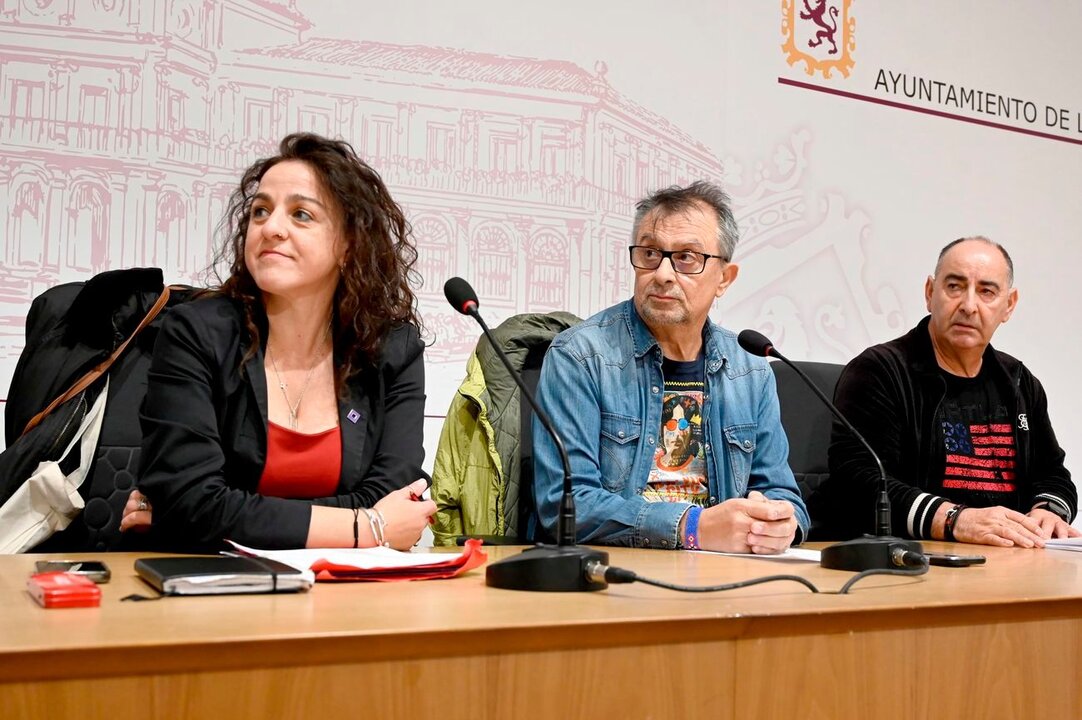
point(294, 408)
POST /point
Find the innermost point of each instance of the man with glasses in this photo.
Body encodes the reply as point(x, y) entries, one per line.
point(673, 432)
point(962, 429)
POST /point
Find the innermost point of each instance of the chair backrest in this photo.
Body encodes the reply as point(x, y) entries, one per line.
point(807, 422)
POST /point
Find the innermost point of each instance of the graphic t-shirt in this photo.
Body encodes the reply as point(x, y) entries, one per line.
point(977, 441)
point(678, 473)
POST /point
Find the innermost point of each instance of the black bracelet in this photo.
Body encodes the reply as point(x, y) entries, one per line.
point(950, 521)
point(356, 530)
point(1054, 508)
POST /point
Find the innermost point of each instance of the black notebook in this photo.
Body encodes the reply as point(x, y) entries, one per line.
point(221, 575)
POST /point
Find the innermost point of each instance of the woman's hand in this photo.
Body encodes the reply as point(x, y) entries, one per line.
point(137, 513)
point(407, 514)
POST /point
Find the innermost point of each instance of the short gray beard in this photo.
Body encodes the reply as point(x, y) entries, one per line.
point(663, 318)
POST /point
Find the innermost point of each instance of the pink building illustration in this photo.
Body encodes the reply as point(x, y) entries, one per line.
point(125, 126)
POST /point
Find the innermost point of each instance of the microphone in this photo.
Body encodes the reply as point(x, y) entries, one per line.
point(562, 567)
point(462, 297)
point(881, 551)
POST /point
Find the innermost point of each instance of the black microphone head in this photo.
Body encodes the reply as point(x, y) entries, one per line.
point(755, 343)
point(460, 295)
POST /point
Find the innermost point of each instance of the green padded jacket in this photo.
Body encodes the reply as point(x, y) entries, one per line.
point(475, 478)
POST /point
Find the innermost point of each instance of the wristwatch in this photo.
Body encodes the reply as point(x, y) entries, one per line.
point(1055, 508)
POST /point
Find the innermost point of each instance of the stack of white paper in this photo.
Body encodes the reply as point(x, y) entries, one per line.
point(1074, 544)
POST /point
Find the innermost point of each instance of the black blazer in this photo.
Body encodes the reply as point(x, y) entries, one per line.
point(204, 422)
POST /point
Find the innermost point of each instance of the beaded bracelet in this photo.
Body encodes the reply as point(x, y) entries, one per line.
point(691, 528)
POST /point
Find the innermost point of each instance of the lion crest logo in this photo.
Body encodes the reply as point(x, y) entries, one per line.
point(819, 33)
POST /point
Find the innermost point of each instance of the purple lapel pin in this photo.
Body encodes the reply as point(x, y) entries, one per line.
point(353, 416)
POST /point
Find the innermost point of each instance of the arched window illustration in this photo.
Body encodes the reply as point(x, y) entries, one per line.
point(617, 265)
point(88, 241)
point(27, 238)
point(495, 264)
point(435, 253)
point(548, 273)
point(170, 237)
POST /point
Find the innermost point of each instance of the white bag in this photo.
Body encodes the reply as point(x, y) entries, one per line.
point(49, 500)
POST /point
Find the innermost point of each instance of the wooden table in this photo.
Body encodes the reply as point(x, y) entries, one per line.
point(1000, 640)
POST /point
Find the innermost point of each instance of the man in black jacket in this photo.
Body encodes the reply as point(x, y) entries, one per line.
point(962, 429)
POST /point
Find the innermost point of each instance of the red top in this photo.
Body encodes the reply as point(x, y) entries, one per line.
point(300, 465)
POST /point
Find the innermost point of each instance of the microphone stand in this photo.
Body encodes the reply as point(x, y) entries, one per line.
point(881, 551)
point(547, 568)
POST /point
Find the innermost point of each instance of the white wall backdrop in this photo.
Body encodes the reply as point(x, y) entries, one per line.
point(519, 136)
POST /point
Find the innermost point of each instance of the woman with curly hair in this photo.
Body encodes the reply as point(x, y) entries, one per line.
point(285, 409)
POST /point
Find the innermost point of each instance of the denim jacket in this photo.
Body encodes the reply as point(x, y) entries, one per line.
point(602, 386)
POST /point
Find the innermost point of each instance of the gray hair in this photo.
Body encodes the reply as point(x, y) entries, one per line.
point(980, 238)
point(678, 199)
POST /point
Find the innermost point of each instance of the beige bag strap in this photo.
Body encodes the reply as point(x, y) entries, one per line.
point(86, 380)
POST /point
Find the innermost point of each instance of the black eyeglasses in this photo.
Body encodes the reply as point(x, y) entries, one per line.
point(685, 262)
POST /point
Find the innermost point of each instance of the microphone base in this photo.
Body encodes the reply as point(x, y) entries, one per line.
point(867, 553)
point(547, 568)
